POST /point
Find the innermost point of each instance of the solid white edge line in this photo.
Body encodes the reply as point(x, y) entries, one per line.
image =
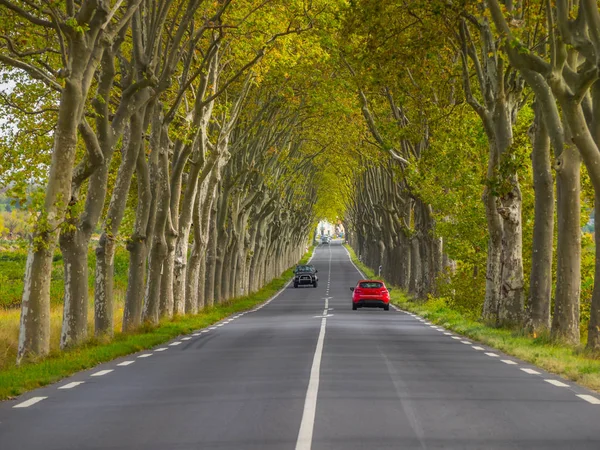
point(101, 373)
point(589, 398)
point(31, 401)
point(556, 383)
point(304, 441)
point(71, 385)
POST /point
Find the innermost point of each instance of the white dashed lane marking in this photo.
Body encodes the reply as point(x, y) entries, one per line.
point(455, 337)
point(145, 355)
point(589, 399)
point(475, 347)
point(71, 385)
point(493, 355)
point(31, 401)
point(186, 338)
point(466, 342)
point(125, 363)
point(162, 349)
point(556, 383)
point(174, 343)
point(101, 373)
point(509, 362)
point(530, 371)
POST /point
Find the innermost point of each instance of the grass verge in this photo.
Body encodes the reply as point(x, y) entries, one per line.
point(18, 379)
point(573, 363)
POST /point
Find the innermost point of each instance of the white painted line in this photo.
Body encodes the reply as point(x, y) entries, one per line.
point(125, 363)
point(204, 331)
point(221, 324)
point(196, 334)
point(212, 328)
point(72, 385)
point(466, 342)
point(145, 355)
point(474, 347)
point(307, 424)
point(557, 383)
point(101, 373)
point(530, 371)
point(509, 362)
point(493, 355)
point(587, 398)
point(172, 344)
point(448, 334)
point(31, 401)
point(162, 349)
point(186, 338)
point(455, 337)
point(433, 326)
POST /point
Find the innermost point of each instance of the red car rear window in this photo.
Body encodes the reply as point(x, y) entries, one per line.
point(370, 285)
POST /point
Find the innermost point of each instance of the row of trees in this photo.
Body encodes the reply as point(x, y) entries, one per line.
point(526, 70)
point(175, 127)
point(210, 136)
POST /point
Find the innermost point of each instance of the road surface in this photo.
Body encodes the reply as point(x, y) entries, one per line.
point(304, 371)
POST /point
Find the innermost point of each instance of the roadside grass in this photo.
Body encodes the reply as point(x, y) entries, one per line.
point(15, 380)
point(573, 363)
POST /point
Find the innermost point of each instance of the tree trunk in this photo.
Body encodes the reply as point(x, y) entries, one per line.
point(494, 266)
point(565, 322)
point(511, 298)
point(540, 290)
point(75, 308)
point(34, 332)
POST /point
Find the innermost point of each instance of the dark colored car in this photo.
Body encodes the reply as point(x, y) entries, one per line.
point(305, 275)
point(370, 294)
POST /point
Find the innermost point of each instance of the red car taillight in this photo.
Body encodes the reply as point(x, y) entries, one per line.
point(357, 291)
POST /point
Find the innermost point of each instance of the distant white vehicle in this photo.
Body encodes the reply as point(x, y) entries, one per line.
point(325, 239)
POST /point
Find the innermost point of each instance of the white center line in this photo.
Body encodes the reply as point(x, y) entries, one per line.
point(508, 361)
point(557, 383)
point(145, 355)
point(71, 385)
point(31, 401)
point(101, 373)
point(125, 363)
point(530, 371)
point(305, 434)
point(587, 398)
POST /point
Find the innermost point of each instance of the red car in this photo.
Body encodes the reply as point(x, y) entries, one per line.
point(370, 293)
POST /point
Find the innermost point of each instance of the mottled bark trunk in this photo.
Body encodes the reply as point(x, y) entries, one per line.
point(565, 322)
point(540, 290)
point(511, 295)
point(494, 259)
point(211, 257)
point(138, 247)
point(75, 307)
point(34, 331)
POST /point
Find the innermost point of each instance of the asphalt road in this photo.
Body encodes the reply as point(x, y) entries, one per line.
point(305, 371)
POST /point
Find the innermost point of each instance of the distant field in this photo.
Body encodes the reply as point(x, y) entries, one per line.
point(12, 271)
